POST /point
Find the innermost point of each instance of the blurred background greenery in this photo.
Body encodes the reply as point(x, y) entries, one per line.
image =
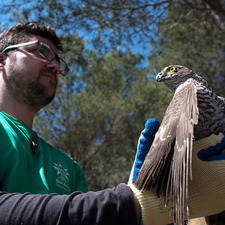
point(115, 50)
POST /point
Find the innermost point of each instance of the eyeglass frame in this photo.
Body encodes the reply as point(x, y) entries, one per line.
point(58, 59)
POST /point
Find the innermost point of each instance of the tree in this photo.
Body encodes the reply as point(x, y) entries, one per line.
point(113, 22)
point(101, 107)
point(199, 45)
point(99, 124)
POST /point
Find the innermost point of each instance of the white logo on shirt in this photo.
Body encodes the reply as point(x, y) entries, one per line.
point(62, 179)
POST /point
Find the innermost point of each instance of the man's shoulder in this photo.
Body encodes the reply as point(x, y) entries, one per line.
point(51, 149)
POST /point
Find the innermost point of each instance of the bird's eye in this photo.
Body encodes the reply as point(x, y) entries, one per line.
point(173, 69)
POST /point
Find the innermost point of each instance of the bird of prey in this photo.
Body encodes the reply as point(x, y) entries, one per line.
point(194, 112)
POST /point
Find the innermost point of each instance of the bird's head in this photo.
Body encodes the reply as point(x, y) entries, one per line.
point(174, 75)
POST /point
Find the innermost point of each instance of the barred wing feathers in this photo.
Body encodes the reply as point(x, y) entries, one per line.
point(168, 162)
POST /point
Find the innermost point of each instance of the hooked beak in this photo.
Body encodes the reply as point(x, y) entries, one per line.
point(160, 76)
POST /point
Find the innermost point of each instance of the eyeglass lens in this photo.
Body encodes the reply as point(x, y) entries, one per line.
point(47, 53)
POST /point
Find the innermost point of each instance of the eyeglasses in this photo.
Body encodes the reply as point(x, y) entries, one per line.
point(45, 52)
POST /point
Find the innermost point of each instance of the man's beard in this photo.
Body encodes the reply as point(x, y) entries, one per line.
point(31, 93)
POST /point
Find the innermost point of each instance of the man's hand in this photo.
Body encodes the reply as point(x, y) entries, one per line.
point(207, 185)
point(206, 194)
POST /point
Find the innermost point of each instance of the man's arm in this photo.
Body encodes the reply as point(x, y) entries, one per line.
point(110, 206)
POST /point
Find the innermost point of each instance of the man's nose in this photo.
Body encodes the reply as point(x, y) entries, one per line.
point(54, 65)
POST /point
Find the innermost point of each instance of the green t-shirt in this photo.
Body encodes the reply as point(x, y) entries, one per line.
point(48, 170)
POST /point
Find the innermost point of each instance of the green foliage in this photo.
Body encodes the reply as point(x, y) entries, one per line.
point(111, 23)
point(195, 41)
point(101, 107)
point(99, 124)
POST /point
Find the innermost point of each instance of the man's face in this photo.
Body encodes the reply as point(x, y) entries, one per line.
point(30, 79)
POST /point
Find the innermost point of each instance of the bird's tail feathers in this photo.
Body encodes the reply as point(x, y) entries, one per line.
point(155, 177)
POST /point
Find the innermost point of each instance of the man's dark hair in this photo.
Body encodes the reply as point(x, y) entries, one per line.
point(21, 33)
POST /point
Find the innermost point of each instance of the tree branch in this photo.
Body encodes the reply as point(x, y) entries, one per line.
point(216, 12)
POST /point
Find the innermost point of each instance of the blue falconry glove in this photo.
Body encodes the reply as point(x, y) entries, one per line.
point(215, 152)
point(144, 143)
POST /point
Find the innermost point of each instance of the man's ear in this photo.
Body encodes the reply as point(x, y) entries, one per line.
point(2, 61)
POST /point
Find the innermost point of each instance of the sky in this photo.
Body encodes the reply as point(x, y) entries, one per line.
point(136, 48)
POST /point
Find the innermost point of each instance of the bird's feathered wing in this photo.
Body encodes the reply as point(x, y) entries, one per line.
point(168, 163)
